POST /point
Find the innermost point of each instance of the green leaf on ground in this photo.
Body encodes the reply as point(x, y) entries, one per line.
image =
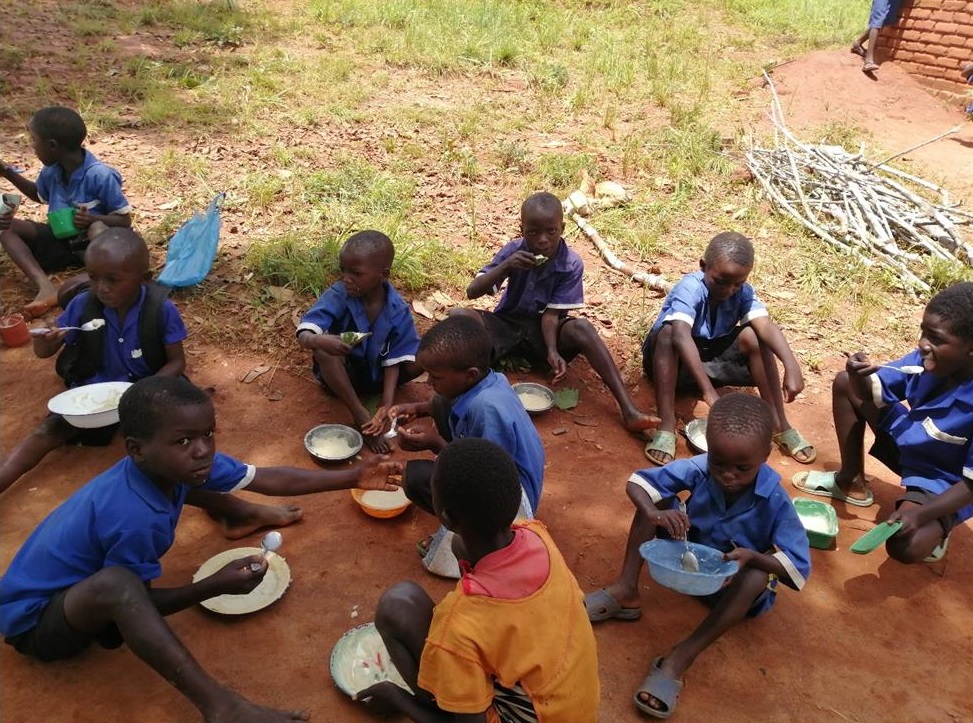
point(566, 398)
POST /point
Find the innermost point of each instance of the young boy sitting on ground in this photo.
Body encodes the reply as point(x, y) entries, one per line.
point(714, 331)
point(510, 642)
point(923, 424)
point(735, 505)
point(544, 282)
point(71, 178)
point(84, 575)
point(363, 301)
point(470, 400)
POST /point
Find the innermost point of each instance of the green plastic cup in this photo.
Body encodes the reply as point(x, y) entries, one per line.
point(62, 223)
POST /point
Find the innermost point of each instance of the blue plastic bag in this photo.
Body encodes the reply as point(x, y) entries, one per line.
point(192, 249)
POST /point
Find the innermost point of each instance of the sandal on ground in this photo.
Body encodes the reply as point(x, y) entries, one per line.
point(858, 49)
point(601, 605)
point(939, 552)
point(662, 442)
point(422, 546)
point(869, 67)
point(792, 443)
point(660, 686)
point(823, 484)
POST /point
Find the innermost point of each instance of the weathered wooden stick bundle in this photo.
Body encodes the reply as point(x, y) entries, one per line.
point(858, 207)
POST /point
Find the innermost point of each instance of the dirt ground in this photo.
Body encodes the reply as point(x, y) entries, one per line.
point(867, 639)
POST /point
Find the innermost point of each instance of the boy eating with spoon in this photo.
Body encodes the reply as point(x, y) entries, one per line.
point(737, 506)
point(85, 574)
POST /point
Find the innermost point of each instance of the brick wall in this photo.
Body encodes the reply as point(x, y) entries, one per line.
point(932, 40)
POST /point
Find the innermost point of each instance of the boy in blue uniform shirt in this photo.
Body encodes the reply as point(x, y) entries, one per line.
point(923, 425)
point(714, 331)
point(85, 574)
point(543, 284)
point(71, 178)
point(363, 301)
point(118, 264)
point(470, 400)
point(736, 505)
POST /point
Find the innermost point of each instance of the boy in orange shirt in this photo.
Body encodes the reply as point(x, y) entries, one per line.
point(512, 642)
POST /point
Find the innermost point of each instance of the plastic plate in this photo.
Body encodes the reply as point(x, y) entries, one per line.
point(359, 659)
point(270, 589)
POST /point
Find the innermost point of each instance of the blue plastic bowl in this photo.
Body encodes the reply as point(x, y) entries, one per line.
point(663, 559)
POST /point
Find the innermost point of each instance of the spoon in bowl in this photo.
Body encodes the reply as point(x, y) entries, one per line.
point(688, 560)
point(92, 325)
point(271, 543)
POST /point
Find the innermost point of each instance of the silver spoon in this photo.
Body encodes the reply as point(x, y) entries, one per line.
point(906, 369)
point(393, 430)
point(92, 325)
point(271, 543)
point(688, 560)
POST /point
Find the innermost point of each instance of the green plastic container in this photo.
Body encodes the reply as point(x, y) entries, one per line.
point(820, 522)
point(62, 223)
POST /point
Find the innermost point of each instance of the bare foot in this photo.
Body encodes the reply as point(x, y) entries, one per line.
point(638, 421)
point(236, 709)
point(45, 300)
point(378, 444)
point(260, 516)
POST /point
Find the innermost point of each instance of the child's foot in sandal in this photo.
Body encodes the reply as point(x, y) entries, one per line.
point(792, 443)
point(869, 67)
point(661, 449)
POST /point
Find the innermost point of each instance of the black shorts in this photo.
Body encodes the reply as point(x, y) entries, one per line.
point(93, 437)
point(54, 639)
point(520, 337)
point(56, 254)
point(725, 364)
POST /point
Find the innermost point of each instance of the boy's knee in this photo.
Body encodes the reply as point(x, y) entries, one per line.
point(578, 333)
point(96, 229)
point(115, 583)
point(840, 383)
point(395, 608)
point(748, 341)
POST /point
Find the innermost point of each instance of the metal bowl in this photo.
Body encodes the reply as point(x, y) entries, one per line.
point(89, 406)
point(333, 442)
point(695, 432)
point(536, 398)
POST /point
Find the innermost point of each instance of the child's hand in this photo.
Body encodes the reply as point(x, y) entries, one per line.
point(743, 555)
point(420, 438)
point(403, 412)
point(522, 260)
point(238, 577)
point(558, 366)
point(331, 344)
point(376, 425)
point(380, 473)
point(382, 698)
point(675, 522)
point(83, 218)
point(6, 219)
point(908, 515)
point(793, 384)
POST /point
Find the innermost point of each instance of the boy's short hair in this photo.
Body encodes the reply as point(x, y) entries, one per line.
point(543, 202)
point(954, 305)
point(741, 415)
point(143, 404)
point(124, 242)
point(729, 246)
point(371, 243)
point(478, 485)
point(459, 342)
point(57, 123)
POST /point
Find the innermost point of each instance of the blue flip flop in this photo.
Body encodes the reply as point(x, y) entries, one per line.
point(601, 605)
point(660, 686)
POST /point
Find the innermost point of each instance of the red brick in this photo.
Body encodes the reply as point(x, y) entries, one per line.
point(964, 18)
point(924, 25)
point(950, 5)
point(936, 49)
point(959, 54)
point(947, 28)
point(919, 14)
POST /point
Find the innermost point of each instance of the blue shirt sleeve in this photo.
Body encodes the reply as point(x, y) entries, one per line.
point(330, 307)
point(502, 255)
point(664, 483)
point(173, 328)
point(403, 341)
point(103, 183)
point(568, 289)
point(684, 302)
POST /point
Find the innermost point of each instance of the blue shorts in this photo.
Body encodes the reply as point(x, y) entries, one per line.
point(884, 12)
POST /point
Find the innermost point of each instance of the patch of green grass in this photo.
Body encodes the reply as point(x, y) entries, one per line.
point(560, 173)
point(218, 22)
point(803, 23)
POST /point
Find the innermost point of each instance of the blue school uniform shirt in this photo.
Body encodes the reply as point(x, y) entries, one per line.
point(394, 338)
point(490, 409)
point(688, 301)
point(122, 359)
point(119, 519)
point(762, 518)
point(91, 181)
point(931, 427)
point(555, 284)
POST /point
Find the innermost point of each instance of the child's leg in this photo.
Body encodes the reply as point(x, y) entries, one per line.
point(335, 375)
point(49, 435)
point(402, 617)
point(116, 595)
point(665, 373)
point(919, 545)
point(578, 336)
point(625, 589)
point(763, 368)
point(730, 609)
point(15, 242)
point(850, 419)
point(240, 517)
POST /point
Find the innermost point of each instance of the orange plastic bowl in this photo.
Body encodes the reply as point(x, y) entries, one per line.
point(380, 512)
